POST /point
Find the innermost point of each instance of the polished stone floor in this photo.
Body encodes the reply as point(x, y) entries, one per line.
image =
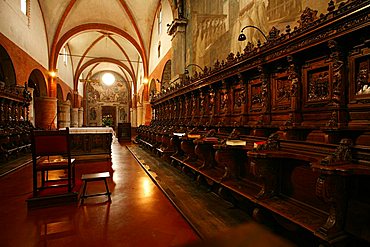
point(139, 214)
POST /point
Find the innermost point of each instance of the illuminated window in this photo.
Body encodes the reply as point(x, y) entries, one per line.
point(24, 6)
point(65, 56)
point(159, 21)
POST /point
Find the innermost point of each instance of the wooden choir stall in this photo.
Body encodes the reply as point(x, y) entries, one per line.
point(283, 126)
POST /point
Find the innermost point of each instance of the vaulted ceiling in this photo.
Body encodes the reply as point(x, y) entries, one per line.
point(101, 35)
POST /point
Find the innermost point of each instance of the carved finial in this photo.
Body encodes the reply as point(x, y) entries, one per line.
point(217, 64)
point(206, 70)
point(230, 57)
point(308, 16)
point(248, 48)
point(273, 34)
point(331, 6)
point(287, 30)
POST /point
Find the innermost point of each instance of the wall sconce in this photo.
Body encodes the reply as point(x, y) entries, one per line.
point(242, 35)
point(192, 64)
point(145, 81)
point(54, 73)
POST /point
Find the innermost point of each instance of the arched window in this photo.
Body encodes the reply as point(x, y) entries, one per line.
point(159, 17)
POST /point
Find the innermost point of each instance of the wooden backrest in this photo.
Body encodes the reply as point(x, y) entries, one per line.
point(50, 142)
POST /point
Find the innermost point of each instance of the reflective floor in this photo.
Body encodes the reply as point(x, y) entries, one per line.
point(139, 214)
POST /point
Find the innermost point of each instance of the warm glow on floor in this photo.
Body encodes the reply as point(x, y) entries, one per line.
point(147, 187)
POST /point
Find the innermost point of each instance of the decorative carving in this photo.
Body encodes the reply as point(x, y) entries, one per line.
point(239, 97)
point(193, 106)
point(273, 34)
point(293, 77)
point(224, 100)
point(337, 70)
point(332, 190)
point(333, 121)
point(343, 154)
point(318, 84)
point(230, 58)
point(282, 90)
point(272, 143)
point(331, 6)
point(289, 121)
point(202, 103)
point(248, 48)
point(308, 16)
point(235, 134)
point(264, 88)
point(217, 64)
point(362, 78)
point(211, 100)
point(257, 98)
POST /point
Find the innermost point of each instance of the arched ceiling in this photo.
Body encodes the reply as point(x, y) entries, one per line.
point(101, 35)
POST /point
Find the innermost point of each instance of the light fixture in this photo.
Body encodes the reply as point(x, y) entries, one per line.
point(108, 79)
point(242, 35)
point(53, 73)
point(145, 81)
point(192, 64)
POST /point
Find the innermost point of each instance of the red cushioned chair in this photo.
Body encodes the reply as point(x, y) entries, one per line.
point(51, 151)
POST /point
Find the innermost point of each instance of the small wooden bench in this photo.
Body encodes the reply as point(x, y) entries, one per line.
point(91, 177)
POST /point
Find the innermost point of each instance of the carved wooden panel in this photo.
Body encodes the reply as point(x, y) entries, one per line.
point(281, 100)
point(223, 101)
point(360, 76)
point(239, 98)
point(317, 83)
point(255, 99)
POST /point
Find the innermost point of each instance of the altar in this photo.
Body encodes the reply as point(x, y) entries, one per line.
point(91, 143)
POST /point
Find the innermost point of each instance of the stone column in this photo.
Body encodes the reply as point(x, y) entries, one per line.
point(80, 116)
point(64, 114)
point(177, 30)
point(74, 117)
point(45, 112)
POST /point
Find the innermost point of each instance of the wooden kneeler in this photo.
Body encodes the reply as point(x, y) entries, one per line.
point(91, 177)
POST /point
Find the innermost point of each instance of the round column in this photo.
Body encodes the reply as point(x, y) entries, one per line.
point(80, 116)
point(64, 114)
point(45, 112)
point(74, 117)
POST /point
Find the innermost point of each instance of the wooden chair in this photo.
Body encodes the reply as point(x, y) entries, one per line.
point(51, 152)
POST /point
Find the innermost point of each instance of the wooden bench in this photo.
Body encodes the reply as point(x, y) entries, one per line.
point(91, 177)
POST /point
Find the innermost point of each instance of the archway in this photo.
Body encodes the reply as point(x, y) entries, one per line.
point(63, 110)
point(43, 109)
point(7, 73)
point(166, 76)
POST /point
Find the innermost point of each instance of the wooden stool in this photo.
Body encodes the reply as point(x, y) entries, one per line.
point(102, 176)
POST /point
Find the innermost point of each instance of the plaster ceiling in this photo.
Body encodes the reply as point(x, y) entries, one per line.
point(100, 35)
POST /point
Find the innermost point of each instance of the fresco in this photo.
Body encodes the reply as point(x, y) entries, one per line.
point(216, 24)
point(100, 96)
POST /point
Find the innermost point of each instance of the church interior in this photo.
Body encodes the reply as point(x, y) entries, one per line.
point(206, 123)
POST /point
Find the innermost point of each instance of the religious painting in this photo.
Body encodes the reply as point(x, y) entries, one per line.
point(100, 97)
